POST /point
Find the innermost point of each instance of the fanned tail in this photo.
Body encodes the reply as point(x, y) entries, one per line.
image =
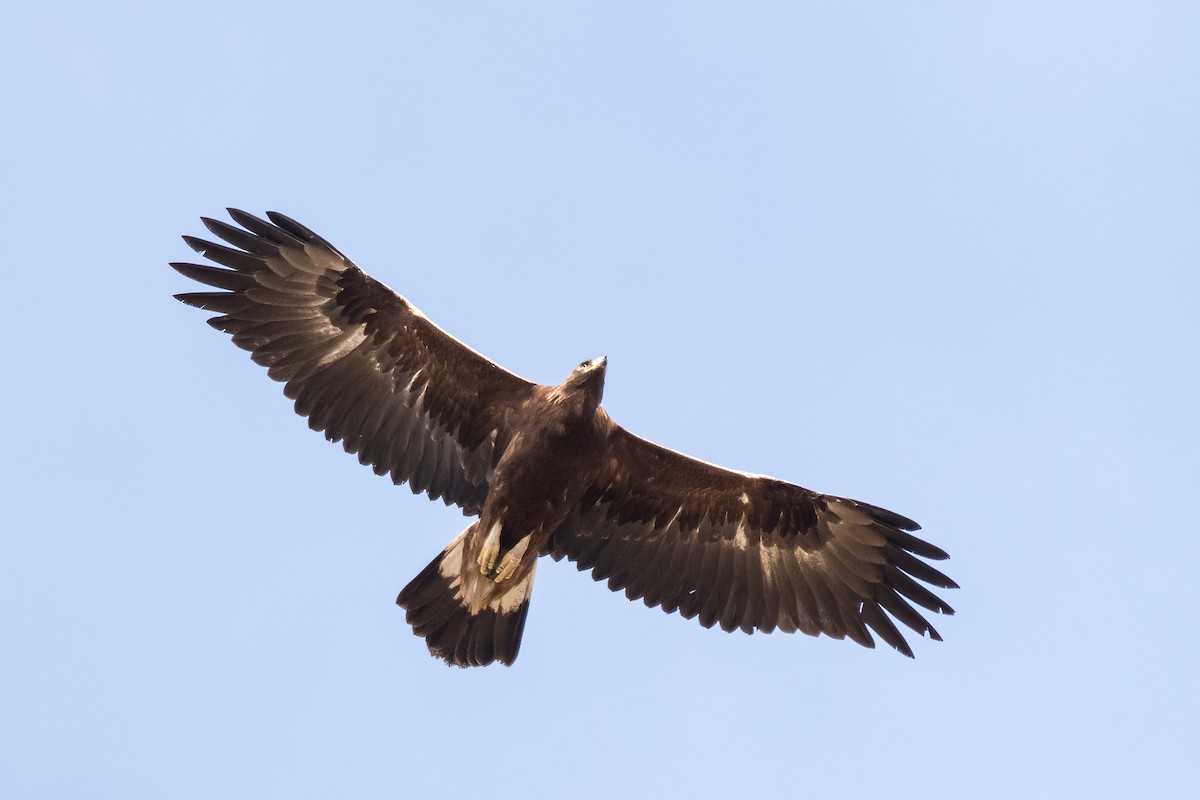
point(439, 612)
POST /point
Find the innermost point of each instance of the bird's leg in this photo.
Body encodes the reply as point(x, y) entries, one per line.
point(489, 551)
point(508, 564)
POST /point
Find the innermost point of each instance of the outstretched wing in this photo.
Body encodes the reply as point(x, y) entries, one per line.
point(748, 551)
point(361, 362)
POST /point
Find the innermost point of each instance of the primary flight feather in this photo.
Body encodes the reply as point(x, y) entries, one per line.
point(546, 470)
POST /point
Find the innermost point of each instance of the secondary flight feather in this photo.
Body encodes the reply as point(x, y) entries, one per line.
point(545, 470)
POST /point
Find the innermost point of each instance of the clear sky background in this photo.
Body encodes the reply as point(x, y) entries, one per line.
point(941, 257)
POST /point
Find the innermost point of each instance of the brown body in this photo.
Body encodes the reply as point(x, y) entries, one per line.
point(536, 482)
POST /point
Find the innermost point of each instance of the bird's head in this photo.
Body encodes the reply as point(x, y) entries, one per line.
point(588, 377)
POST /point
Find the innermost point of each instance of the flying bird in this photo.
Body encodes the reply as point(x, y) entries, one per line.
point(545, 470)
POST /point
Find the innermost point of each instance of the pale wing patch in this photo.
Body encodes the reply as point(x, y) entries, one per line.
point(844, 520)
point(739, 536)
point(767, 554)
point(346, 341)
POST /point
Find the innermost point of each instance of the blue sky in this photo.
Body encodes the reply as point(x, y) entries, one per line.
point(941, 257)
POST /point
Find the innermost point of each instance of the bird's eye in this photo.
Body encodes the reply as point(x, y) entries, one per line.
point(584, 363)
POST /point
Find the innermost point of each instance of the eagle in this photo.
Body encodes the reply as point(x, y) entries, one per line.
point(544, 470)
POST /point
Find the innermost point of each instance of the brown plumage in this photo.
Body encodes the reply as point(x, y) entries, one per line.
point(546, 470)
